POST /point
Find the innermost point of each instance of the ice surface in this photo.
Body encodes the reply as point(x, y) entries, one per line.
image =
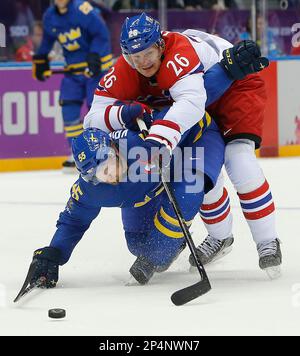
point(91, 287)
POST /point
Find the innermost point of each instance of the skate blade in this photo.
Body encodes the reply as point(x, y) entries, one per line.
point(222, 254)
point(131, 282)
point(273, 272)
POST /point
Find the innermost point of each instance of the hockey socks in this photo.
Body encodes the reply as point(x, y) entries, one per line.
point(217, 216)
point(259, 210)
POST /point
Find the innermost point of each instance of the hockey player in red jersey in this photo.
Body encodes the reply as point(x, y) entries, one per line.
point(159, 69)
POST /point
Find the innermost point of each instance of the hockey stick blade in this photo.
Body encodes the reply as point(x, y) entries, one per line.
point(192, 292)
point(28, 278)
point(29, 289)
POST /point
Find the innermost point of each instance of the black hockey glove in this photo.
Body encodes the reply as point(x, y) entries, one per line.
point(46, 261)
point(242, 59)
point(40, 67)
point(131, 112)
point(94, 65)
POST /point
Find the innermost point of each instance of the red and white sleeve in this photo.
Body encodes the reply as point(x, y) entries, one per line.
point(165, 132)
point(104, 115)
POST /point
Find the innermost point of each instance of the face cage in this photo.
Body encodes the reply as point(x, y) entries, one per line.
point(91, 175)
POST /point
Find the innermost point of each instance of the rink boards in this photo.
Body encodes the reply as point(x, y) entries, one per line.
point(282, 119)
point(31, 127)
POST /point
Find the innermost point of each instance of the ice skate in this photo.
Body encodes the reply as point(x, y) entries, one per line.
point(141, 271)
point(270, 258)
point(211, 250)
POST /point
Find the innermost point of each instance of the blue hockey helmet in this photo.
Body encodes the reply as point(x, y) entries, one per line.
point(138, 33)
point(90, 150)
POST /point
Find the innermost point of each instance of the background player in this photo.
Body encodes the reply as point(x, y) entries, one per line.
point(86, 47)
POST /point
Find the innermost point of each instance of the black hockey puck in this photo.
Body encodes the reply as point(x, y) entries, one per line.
point(56, 313)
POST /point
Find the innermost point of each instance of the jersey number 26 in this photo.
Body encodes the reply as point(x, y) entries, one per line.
point(180, 62)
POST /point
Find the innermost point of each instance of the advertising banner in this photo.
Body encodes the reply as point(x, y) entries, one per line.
point(30, 116)
point(270, 127)
point(31, 126)
point(289, 103)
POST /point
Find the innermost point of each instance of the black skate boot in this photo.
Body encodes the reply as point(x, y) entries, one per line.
point(142, 270)
point(212, 249)
point(69, 165)
point(270, 257)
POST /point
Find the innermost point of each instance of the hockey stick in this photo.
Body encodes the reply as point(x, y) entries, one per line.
point(194, 291)
point(25, 288)
point(29, 289)
point(187, 294)
point(66, 71)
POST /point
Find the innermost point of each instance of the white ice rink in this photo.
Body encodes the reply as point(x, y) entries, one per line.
point(91, 287)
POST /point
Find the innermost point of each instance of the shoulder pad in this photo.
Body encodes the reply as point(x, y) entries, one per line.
point(180, 60)
point(84, 7)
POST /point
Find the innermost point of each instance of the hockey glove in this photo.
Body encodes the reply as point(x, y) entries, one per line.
point(159, 156)
point(242, 59)
point(46, 261)
point(163, 137)
point(131, 112)
point(40, 67)
point(94, 65)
